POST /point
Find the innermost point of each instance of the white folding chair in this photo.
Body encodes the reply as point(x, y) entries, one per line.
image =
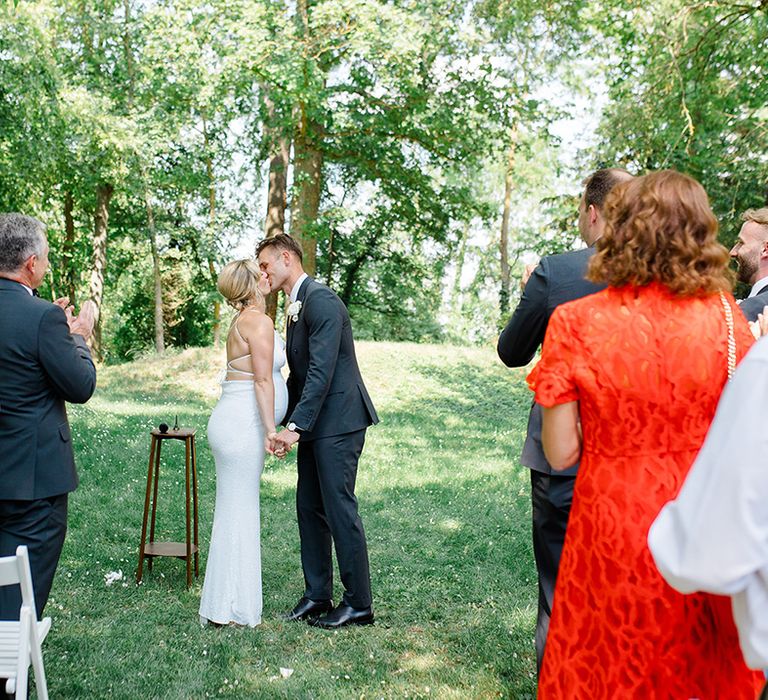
point(20, 641)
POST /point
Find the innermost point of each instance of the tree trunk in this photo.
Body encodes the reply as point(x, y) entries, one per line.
point(305, 205)
point(216, 307)
point(211, 224)
point(355, 266)
point(278, 185)
point(307, 165)
point(329, 276)
point(101, 222)
point(158, 280)
point(504, 240)
point(68, 252)
point(128, 51)
point(460, 258)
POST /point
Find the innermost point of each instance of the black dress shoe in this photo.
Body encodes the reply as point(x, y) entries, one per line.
point(307, 608)
point(344, 615)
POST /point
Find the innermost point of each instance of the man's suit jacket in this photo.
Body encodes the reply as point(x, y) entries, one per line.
point(326, 394)
point(557, 279)
point(42, 365)
point(753, 306)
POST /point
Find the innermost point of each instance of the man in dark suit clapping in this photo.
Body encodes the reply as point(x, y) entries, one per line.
point(555, 280)
point(329, 411)
point(44, 361)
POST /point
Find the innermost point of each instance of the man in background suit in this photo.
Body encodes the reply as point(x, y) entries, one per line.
point(555, 280)
point(751, 255)
point(329, 411)
point(44, 362)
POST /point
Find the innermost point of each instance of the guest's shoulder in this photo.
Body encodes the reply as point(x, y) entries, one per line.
point(569, 259)
point(36, 308)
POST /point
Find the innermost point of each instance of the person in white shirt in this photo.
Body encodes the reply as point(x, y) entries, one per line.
point(714, 536)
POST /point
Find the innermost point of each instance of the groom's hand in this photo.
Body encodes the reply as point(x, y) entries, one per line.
point(284, 441)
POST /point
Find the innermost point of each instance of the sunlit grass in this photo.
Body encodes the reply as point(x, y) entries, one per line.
point(446, 510)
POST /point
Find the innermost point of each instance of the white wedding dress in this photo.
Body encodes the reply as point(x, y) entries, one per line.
point(232, 586)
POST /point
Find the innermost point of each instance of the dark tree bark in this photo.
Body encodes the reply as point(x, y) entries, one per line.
point(307, 165)
point(504, 239)
point(305, 206)
point(157, 278)
point(277, 193)
point(212, 223)
point(354, 267)
point(101, 223)
point(68, 252)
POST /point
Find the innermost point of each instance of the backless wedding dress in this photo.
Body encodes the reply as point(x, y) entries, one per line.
point(232, 586)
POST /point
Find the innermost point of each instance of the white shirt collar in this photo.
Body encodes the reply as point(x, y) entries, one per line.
point(29, 289)
point(295, 291)
point(758, 286)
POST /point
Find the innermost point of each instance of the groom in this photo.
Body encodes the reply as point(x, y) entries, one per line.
point(329, 411)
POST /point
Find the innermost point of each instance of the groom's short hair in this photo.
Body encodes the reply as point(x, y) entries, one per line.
point(281, 241)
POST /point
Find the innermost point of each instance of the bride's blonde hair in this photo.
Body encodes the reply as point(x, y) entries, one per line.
point(238, 283)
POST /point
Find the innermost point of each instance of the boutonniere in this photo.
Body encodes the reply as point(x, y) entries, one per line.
point(293, 310)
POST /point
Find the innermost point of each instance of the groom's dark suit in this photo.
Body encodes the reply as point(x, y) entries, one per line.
point(556, 280)
point(328, 401)
point(42, 365)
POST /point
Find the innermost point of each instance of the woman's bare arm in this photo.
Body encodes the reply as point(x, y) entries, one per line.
point(561, 435)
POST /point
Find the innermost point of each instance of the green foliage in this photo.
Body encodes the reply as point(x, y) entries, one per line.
point(186, 307)
point(411, 109)
point(687, 93)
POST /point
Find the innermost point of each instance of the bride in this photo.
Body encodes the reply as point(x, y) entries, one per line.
point(241, 429)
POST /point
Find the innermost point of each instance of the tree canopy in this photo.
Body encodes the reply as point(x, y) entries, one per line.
point(412, 147)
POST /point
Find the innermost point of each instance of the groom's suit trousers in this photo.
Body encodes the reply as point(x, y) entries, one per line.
point(327, 511)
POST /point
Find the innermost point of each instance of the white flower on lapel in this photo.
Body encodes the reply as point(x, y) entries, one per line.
point(293, 310)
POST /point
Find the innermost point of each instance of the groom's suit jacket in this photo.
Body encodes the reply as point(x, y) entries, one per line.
point(42, 365)
point(326, 394)
point(556, 280)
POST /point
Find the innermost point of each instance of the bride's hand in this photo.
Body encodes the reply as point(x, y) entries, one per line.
point(269, 443)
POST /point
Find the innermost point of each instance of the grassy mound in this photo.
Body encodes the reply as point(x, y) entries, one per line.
point(446, 510)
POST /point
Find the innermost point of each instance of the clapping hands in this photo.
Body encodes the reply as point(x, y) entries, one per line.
point(83, 323)
point(759, 327)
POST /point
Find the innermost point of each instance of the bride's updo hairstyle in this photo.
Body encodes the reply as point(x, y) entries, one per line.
point(660, 227)
point(238, 283)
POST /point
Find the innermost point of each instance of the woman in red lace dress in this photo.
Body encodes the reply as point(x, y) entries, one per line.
point(630, 378)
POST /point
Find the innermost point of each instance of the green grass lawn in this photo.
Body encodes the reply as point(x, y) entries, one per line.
point(446, 509)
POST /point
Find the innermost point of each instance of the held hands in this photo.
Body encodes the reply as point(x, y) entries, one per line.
point(269, 442)
point(280, 444)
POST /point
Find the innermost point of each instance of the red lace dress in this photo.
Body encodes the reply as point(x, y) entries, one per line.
point(647, 369)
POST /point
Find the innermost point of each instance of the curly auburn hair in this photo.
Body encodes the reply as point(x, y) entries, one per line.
point(660, 227)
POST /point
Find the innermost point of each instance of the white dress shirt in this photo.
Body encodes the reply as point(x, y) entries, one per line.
point(714, 536)
point(295, 289)
point(758, 287)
